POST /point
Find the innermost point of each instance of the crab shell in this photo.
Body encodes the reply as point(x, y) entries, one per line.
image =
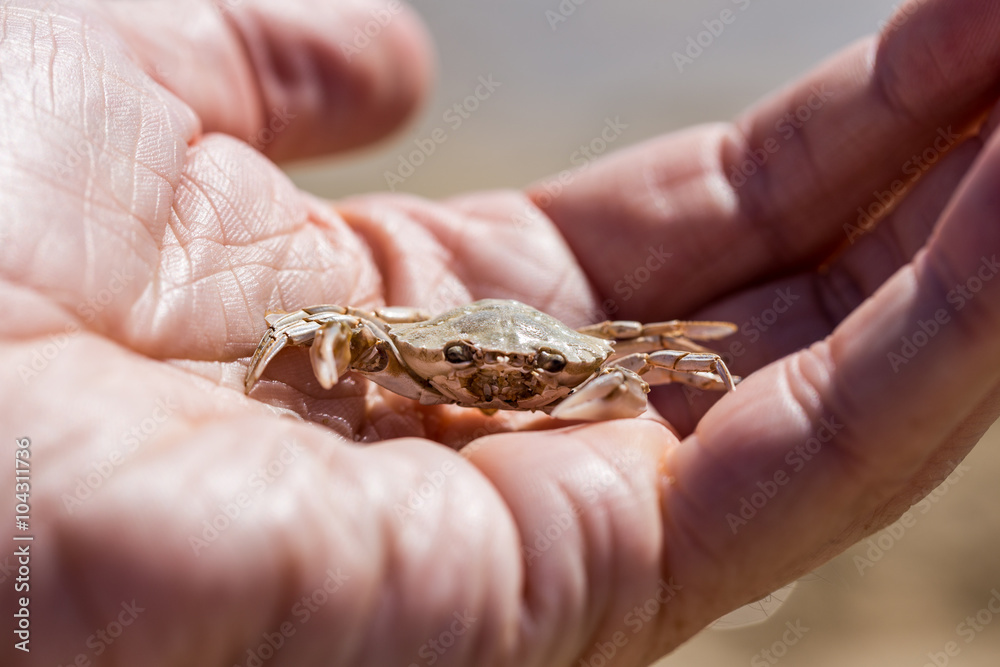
point(505, 355)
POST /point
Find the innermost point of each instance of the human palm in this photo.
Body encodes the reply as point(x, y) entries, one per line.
point(142, 244)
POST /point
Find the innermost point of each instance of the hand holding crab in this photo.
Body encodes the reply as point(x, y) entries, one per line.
point(501, 355)
point(210, 233)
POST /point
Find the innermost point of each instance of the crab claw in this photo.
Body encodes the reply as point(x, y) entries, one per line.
point(616, 394)
point(330, 353)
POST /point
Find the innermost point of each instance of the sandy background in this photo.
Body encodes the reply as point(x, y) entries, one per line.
point(614, 60)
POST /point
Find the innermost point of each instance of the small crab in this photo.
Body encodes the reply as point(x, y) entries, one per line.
point(498, 354)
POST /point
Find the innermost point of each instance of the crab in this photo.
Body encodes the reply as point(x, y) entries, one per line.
point(500, 354)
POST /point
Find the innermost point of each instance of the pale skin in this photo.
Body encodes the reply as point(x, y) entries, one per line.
point(141, 268)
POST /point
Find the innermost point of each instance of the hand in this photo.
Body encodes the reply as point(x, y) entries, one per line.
point(141, 246)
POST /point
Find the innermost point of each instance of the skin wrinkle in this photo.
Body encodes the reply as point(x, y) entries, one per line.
point(391, 567)
point(592, 284)
point(541, 607)
point(586, 531)
point(927, 478)
point(376, 251)
point(812, 394)
point(246, 62)
point(892, 240)
point(380, 235)
point(835, 398)
point(601, 523)
point(680, 534)
point(529, 617)
point(975, 320)
point(837, 294)
point(448, 255)
point(613, 565)
point(703, 251)
point(331, 234)
point(550, 296)
point(211, 198)
point(677, 521)
point(885, 84)
point(818, 184)
point(754, 199)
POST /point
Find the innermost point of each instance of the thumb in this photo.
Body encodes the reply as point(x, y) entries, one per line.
point(294, 78)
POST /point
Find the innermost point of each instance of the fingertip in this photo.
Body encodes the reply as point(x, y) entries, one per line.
point(293, 78)
point(333, 78)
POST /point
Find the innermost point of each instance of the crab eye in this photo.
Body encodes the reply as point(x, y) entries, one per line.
point(553, 362)
point(458, 353)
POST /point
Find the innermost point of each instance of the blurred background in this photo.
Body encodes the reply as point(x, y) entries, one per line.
point(558, 71)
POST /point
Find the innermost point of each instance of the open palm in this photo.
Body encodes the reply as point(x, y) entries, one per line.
point(143, 240)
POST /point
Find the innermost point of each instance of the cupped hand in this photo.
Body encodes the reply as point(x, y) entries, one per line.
point(847, 224)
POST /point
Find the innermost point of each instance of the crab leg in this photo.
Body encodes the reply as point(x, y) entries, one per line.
point(330, 352)
point(698, 369)
point(620, 390)
point(630, 337)
point(329, 329)
point(625, 329)
point(343, 339)
point(298, 328)
point(616, 393)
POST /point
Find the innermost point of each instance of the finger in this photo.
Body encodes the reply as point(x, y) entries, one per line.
point(789, 314)
point(854, 428)
point(293, 79)
point(592, 532)
point(863, 121)
point(529, 262)
point(215, 525)
point(200, 514)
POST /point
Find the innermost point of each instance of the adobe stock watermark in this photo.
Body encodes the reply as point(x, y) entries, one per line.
point(454, 117)
point(796, 459)
point(698, 43)
point(544, 538)
point(604, 650)
point(102, 470)
point(632, 281)
point(971, 627)
point(434, 648)
point(77, 153)
point(302, 611)
point(785, 128)
point(958, 297)
point(911, 170)
point(580, 159)
point(231, 510)
point(752, 330)
point(449, 293)
point(772, 655)
point(417, 498)
point(277, 122)
point(749, 332)
point(562, 12)
point(364, 35)
point(102, 638)
point(583, 157)
point(88, 311)
point(879, 545)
